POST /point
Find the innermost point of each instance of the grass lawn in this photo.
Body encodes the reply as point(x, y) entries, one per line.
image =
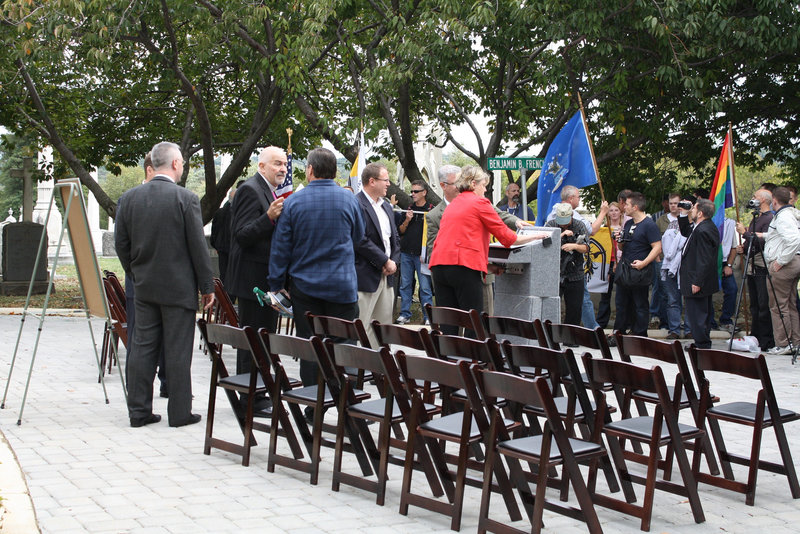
point(66, 290)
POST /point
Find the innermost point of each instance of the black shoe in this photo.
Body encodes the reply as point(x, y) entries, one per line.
point(673, 335)
point(194, 418)
point(263, 408)
point(164, 394)
point(612, 341)
point(149, 420)
point(571, 345)
point(309, 415)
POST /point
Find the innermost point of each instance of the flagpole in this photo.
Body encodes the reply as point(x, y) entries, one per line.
point(591, 146)
point(736, 204)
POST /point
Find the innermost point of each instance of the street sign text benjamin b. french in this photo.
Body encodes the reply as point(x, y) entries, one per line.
point(514, 164)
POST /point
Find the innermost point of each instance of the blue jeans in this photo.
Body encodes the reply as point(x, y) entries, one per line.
point(729, 290)
point(587, 309)
point(674, 303)
point(409, 264)
point(657, 298)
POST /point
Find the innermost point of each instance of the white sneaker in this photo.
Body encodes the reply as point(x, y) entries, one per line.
point(779, 351)
point(427, 322)
point(403, 320)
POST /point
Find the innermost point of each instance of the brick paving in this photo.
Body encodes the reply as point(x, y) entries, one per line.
point(88, 471)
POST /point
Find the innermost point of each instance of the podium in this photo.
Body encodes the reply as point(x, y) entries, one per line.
point(529, 288)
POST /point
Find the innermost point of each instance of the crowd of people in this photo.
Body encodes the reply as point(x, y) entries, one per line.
point(338, 253)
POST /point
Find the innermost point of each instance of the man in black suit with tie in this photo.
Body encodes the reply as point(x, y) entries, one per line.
point(699, 278)
point(161, 245)
point(254, 214)
point(378, 252)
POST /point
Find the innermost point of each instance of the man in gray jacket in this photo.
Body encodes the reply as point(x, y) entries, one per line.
point(160, 243)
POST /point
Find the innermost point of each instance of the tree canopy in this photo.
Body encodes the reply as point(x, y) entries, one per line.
point(102, 81)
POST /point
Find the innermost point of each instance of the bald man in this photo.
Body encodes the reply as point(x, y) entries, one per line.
point(254, 214)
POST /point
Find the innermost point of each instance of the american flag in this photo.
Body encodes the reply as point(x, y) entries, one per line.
point(285, 189)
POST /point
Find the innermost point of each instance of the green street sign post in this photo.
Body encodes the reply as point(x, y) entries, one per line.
point(515, 164)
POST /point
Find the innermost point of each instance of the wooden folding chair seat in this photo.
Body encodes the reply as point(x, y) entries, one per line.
point(761, 414)
point(386, 411)
point(545, 450)
point(465, 429)
point(656, 431)
point(258, 380)
point(321, 396)
point(682, 392)
point(453, 321)
point(341, 331)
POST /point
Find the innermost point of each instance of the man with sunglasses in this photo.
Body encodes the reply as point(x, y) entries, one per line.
point(410, 250)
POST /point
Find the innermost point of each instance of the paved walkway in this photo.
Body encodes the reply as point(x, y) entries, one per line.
point(88, 471)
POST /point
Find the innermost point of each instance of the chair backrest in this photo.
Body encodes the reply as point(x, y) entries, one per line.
point(743, 365)
point(389, 335)
point(551, 361)
point(115, 283)
point(225, 312)
point(499, 328)
point(486, 351)
point(464, 321)
point(338, 329)
point(495, 385)
point(347, 356)
point(119, 315)
point(421, 368)
point(663, 351)
point(310, 350)
point(625, 375)
point(577, 335)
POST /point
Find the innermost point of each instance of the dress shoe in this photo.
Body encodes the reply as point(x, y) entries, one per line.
point(141, 421)
point(194, 418)
point(673, 335)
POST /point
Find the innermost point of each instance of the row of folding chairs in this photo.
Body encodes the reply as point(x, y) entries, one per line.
point(499, 399)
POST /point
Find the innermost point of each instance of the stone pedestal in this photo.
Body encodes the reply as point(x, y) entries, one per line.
point(19, 247)
point(529, 289)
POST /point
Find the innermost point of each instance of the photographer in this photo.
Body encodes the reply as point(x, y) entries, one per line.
point(781, 245)
point(698, 272)
point(761, 204)
point(640, 242)
point(573, 247)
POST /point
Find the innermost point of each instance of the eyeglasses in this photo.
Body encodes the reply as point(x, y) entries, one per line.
point(449, 183)
point(415, 191)
point(382, 179)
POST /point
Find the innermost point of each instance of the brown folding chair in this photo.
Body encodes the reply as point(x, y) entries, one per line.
point(656, 431)
point(682, 392)
point(224, 312)
point(385, 411)
point(258, 380)
point(116, 330)
point(115, 283)
point(465, 429)
point(341, 331)
point(395, 337)
point(453, 321)
point(761, 414)
point(550, 448)
point(321, 396)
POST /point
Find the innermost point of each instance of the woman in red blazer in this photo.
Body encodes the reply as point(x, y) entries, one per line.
point(461, 251)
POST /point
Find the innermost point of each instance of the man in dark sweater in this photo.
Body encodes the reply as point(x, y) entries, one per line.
point(411, 231)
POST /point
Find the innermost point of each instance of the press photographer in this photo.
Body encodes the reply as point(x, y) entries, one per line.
point(574, 246)
point(756, 272)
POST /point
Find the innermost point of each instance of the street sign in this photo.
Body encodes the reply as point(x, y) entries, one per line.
point(515, 164)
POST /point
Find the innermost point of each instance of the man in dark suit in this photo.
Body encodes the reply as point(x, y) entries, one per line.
point(699, 271)
point(160, 243)
point(378, 252)
point(221, 234)
point(254, 214)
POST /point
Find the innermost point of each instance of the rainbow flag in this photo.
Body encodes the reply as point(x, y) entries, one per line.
point(723, 190)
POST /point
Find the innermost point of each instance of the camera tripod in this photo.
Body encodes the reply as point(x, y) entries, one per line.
point(750, 265)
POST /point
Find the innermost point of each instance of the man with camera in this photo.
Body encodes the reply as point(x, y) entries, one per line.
point(640, 242)
point(698, 273)
point(781, 246)
point(760, 314)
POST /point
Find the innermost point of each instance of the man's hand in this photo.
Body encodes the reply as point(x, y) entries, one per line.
point(393, 200)
point(568, 247)
point(638, 265)
point(603, 209)
point(567, 233)
point(520, 224)
point(727, 271)
point(275, 209)
point(740, 249)
point(493, 268)
point(409, 215)
point(389, 267)
point(695, 289)
point(208, 300)
point(740, 228)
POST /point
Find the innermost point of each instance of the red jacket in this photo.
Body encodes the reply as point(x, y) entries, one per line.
point(463, 237)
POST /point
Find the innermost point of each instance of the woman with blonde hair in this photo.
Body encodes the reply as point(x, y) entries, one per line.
point(461, 251)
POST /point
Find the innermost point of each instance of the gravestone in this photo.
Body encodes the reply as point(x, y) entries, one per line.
point(19, 247)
